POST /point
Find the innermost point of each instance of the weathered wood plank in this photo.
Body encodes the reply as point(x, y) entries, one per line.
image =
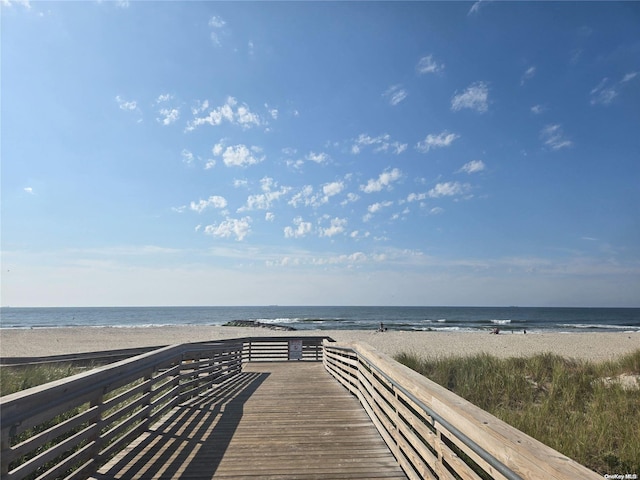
point(281, 420)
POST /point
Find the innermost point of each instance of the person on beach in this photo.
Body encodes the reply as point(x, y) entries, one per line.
point(382, 328)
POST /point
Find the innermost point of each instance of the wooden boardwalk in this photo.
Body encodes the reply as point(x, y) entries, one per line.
point(285, 420)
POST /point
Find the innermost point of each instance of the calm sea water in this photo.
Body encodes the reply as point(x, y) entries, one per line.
point(337, 318)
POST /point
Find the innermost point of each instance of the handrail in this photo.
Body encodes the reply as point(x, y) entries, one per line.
point(436, 434)
point(70, 427)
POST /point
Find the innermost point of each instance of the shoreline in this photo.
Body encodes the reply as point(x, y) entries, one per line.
point(594, 346)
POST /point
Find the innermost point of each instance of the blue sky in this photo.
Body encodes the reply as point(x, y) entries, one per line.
point(354, 153)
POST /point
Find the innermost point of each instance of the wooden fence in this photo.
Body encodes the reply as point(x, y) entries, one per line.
point(68, 428)
point(434, 433)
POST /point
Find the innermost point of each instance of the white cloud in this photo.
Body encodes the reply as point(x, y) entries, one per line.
point(475, 97)
point(436, 211)
point(527, 75)
point(475, 8)
point(231, 111)
point(213, 201)
point(238, 227)
point(200, 107)
point(351, 197)
point(272, 111)
point(187, 156)
point(630, 76)
point(384, 180)
point(376, 207)
point(337, 226)
point(333, 188)
point(301, 229)
point(169, 116)
point(129, 105)
point(416, 197)
point(554, 138)
point(216, 24)
point(165, 97)
point(264, 201)
point(473, 166)
point(10, 3)
point(443, 139)
point(603, 94)
point(395, 94)
point(238, 155)
point(381, 143)
point(303, 197)
point(29, 190)
point(538, 109)
point(449, 189)
point(269, 216)
point(318, 157)
point(428, 65)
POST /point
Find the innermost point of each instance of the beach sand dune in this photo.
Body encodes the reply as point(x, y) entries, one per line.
point(58, 341)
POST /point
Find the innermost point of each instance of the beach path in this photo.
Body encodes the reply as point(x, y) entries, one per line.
point(284, 420)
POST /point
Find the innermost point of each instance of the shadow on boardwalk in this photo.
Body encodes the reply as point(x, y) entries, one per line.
point(203, 426)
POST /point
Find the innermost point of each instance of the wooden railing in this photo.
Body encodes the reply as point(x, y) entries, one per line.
point(68, 428)
point(433, 433)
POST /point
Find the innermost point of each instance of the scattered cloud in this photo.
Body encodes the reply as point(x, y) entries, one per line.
point(214, 201)
point(376, 207)
point(238, 155)
point(337, 226)
point(10, 3)
point(473, 166)
point(231, 227)
point(333, 188)
point(300, 229)
point(321, 158)
point(475, 97)
point(475, 8)
point(395, 94)
point(604, 94)
point(428, 65)
point(381, 143)
point(528, 75)
point(271, 193)
point(554, 138)
point(129, 105)
point(443, 139)
point(187, 157)
point(29, 190)
point(169, 116)
point(232, 112)
point(217, 25)
point(384, 181)
point(164, 97)
point(273, 112)
point(538, 109)
point(449, 189)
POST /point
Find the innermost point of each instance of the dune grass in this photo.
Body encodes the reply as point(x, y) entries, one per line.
point(15, 379)
point(578, 408)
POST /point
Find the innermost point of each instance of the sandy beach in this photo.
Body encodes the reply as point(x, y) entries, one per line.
point(57, 341)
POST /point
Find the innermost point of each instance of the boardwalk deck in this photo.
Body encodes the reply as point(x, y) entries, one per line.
point(284, 420)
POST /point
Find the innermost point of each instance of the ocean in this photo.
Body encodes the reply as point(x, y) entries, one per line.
point(469, 319)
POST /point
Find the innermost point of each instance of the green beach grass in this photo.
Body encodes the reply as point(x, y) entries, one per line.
point(588, 411)
point(14, 379)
